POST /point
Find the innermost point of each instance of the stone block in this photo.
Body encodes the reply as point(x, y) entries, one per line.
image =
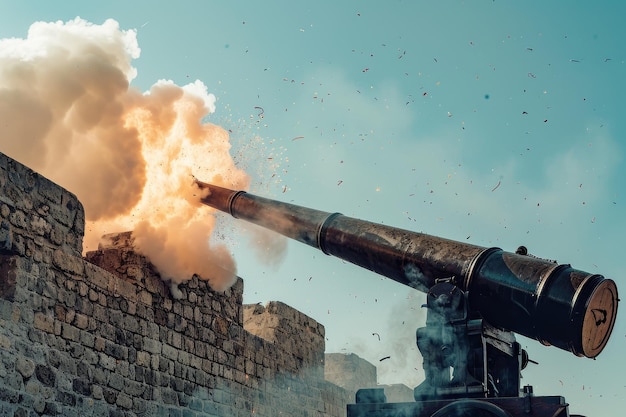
point(82, 386)
point(66, 398)
point(25, 367)
point(109, 395)
point(8, 276)
point(45, 374)
point(152, 346)
point(124, 401)
point(70, 332)
point(68, 263)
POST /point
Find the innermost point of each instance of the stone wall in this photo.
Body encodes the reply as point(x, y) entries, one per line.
point(102, 336)
point(294, 331)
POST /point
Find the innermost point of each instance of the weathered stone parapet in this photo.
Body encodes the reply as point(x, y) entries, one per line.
point(138, 283)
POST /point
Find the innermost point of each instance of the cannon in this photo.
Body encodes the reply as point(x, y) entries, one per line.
point(477, 299)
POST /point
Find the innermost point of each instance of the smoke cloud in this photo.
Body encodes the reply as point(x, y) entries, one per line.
point(68, 111)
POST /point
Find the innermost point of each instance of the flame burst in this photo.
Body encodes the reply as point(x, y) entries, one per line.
point(68, 111)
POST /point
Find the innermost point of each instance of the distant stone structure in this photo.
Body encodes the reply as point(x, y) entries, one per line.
point(101, 336)
point(352, 373)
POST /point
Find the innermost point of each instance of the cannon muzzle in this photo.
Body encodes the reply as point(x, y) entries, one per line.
point(554, 304)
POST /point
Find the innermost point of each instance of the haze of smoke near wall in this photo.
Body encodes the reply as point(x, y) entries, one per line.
point(77, 339)
point(69, 111)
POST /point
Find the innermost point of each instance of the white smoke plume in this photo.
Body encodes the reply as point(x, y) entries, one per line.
point(68, 111)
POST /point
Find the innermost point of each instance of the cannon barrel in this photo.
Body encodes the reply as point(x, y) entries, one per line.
point(551, 303)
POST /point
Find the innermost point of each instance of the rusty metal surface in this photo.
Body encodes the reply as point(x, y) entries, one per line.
point(554, 304)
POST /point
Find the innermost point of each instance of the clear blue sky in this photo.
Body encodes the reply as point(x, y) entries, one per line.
point(493, 122)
